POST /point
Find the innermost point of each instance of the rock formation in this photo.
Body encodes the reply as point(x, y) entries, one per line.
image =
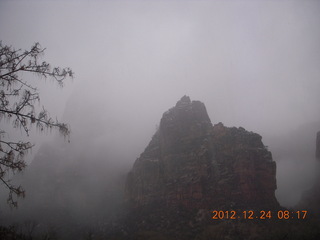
point(193, 164)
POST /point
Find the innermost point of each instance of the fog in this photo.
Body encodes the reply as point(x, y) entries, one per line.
point(254, 64)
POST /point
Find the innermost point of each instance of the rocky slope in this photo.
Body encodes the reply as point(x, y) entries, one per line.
point(192, 164)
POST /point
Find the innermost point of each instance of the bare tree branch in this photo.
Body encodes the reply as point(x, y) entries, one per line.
point(17, 99)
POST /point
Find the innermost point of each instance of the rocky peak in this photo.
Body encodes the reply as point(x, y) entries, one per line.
point(186, 120)
point(184, 101)
point(193, 164)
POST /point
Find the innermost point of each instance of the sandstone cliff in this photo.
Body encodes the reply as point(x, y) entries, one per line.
point(193, 164)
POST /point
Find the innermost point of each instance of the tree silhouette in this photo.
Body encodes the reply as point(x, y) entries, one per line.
point(17, 104)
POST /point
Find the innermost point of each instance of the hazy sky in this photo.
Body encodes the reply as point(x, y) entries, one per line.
point(254, 64)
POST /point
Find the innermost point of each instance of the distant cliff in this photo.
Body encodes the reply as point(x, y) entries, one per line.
point(193, 164)
point(310, 199)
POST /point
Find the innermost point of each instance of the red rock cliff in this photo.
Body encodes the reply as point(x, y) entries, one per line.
point(193, 164)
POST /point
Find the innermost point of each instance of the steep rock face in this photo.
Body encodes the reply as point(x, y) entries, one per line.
point(193, 164)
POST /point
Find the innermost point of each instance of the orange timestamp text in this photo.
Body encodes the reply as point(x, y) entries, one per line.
point(250, 214)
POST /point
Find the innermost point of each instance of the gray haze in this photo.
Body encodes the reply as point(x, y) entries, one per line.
point(255, 64)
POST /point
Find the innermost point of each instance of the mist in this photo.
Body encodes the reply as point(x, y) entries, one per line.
point(254, 64)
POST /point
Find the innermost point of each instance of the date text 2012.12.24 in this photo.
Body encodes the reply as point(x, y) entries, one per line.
point(250, 214)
